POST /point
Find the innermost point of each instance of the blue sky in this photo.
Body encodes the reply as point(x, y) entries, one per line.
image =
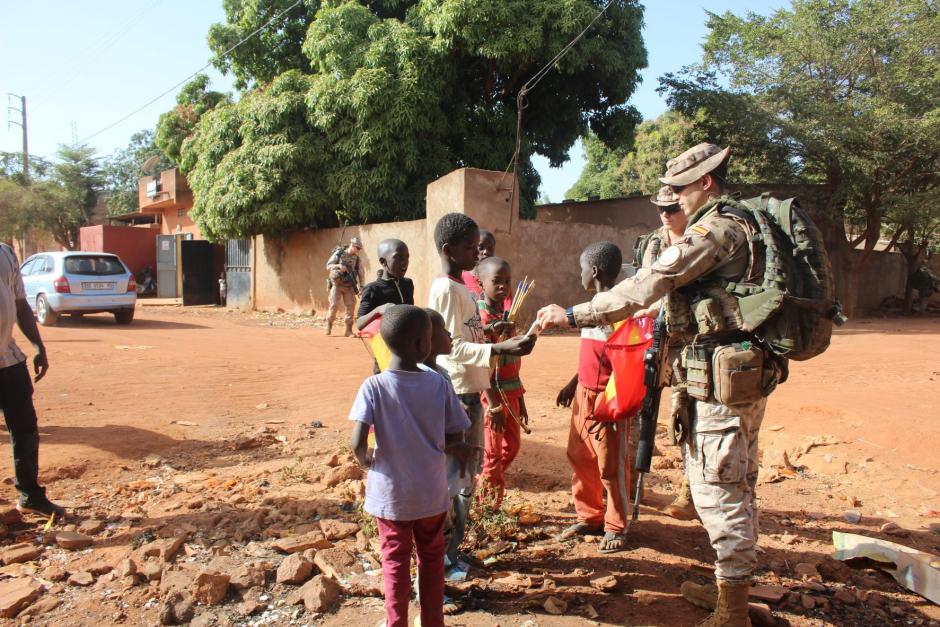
point(84, 65)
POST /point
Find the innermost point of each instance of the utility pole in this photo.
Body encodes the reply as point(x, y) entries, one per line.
point(22, 111)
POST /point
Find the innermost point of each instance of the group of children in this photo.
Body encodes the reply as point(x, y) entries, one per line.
point(449, 407)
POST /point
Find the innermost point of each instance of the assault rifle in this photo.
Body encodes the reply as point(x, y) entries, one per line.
point(652, 363)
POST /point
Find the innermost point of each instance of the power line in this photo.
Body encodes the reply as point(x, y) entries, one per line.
point(191, 76)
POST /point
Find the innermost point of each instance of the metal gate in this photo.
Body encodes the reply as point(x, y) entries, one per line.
point(167, 261)
point(199, 288)
point(238, 273)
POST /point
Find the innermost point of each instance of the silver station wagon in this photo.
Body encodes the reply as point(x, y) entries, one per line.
point(78, 283)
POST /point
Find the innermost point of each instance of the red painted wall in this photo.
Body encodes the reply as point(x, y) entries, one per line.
point(136, 246)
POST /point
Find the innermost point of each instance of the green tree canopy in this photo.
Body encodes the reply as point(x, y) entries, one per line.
point(355, 107)
point(174, 126)
point(122, 170)
point(845, 93)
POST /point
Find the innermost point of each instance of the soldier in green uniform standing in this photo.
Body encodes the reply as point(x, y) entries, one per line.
point(720, 439)
point(346, 277)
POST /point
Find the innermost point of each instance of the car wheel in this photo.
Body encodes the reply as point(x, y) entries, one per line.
point(44, 313)
point(124, 316)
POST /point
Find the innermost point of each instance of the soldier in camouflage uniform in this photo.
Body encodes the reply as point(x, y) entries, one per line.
point(645, 253)
point(346, 276)
point(720, 440)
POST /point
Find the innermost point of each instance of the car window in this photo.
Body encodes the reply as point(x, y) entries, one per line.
point(99, 265)
point(48, 264)
point(27, 267)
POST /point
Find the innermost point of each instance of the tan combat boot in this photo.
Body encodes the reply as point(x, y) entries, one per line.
point(682, 508)
point(732, 609)
point(349, 331)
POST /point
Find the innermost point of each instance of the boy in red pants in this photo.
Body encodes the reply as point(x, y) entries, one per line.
point(598, 458)
point(504, 402)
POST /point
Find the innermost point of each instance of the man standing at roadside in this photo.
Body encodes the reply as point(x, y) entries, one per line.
point(16, 388)
point(346, 276)
point(720, 441)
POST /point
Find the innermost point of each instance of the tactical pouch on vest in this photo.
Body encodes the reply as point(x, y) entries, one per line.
point(696, 360)
point(738, 373)
point(708, 316)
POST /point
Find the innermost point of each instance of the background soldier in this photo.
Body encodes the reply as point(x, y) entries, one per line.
point(346, 275)
point(721, 441)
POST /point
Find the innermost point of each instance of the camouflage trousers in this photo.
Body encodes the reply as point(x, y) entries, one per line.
point(346, 296)
point(721, 465)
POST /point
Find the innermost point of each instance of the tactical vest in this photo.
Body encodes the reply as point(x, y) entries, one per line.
point(644, 243)
point(785, 297)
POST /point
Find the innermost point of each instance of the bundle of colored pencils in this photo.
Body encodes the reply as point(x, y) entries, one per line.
point(518, 298)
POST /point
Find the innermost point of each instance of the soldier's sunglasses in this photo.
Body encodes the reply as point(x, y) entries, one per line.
point(670, 209)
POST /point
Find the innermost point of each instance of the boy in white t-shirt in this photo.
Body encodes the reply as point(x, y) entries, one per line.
point(457, 237)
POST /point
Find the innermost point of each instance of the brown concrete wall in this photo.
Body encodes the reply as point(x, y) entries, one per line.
point(635, 212)
point(290, 274)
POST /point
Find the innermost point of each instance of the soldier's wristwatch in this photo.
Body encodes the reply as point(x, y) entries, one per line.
point(569, 312)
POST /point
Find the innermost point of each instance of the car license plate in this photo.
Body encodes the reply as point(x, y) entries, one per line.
point(98, 286)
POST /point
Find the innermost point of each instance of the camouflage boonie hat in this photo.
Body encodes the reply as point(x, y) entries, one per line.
point(694, 163)
point(665, 197)
point(355, 241)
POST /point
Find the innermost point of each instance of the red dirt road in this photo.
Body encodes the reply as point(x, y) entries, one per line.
point(868, 411)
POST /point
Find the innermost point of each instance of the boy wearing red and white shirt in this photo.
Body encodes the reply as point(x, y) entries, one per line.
point(598, 458)
point(504, 402)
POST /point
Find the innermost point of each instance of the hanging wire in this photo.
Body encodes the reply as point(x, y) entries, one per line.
point(520, 105)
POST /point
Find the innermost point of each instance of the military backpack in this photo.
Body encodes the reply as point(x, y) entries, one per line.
point(791, 304)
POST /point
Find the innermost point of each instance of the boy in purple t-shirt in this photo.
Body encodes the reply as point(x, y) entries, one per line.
point(416, 416)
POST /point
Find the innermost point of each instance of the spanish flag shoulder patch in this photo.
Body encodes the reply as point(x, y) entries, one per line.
point(700, 229)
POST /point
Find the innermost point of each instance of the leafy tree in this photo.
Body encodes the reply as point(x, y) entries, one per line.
point(122, 170)
point(374, 100)
point(599, 177)
point(64, 203)
point(845, 93)
point(177, 124)
point(11, 167)
point(15, 202)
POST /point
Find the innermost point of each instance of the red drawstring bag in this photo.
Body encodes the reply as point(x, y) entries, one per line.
point(625, 348)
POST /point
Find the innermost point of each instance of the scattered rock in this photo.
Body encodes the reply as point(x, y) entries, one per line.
point(852, 516)
point(73, 540)
point(166, 549)
point(248, 576)
point(807, 601)
point(337, 563)
point(892, 529)
point(363, 585)
point(843, 595)
point(251, 606)
point(346, 472)
point(806, 572)
point(16, 594)
point(295, 569)
point(605, 584)
point(590, 611)
point(91, 527)
point(318, 595)
point(45, 604)
point(555, 605)
point(151, 571)
point(337, 529)
point(53, 572)
point(126, 568)
point(177, 609)
point(210, 588)
point(295, 544)
point(82, 578)
point(9, 515)
point(770, 594)
point(760, 615)
point(175, 581)
point(19, 553)
point(152, 461)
